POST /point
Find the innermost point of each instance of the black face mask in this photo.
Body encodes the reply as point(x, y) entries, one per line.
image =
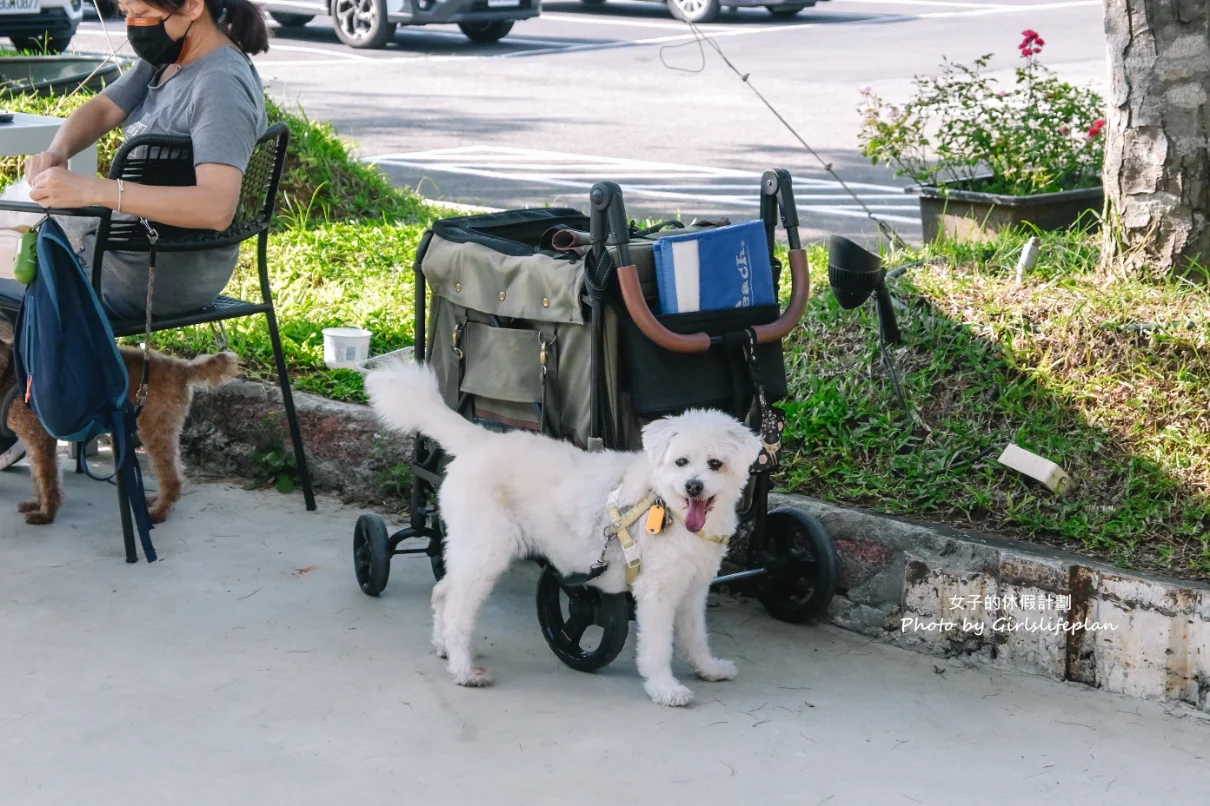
point(152, 43)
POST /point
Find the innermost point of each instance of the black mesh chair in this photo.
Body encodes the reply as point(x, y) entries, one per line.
point(167, 160)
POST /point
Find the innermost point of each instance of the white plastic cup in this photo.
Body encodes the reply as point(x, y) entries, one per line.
point(346, 347)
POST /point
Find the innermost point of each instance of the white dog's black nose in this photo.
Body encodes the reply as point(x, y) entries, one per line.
point(694, 488)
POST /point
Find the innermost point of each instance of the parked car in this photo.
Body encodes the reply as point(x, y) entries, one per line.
point(40, 25)
point(371, 23)
point(707, 10)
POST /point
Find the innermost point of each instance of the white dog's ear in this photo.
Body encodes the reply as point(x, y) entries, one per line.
point(743, 445)
point(657, 438)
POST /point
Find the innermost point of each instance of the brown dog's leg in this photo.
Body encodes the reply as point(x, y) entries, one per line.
point(163, 449)
point(160, 425)
point(42, 450)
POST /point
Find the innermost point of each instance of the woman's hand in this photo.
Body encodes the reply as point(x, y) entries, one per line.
point(60, 188)
point(40, 162)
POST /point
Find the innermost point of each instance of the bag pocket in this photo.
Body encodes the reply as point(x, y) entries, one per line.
point(502, 363)
point(663, 382)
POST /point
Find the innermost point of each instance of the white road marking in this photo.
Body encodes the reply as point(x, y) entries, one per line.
point(1010, 9)
point(584, 19)
point(945, 3)
point(580, 172)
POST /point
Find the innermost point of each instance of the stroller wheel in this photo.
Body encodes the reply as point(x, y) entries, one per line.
point(437, 559)
point(586, 629)
point(801, 588)
point(371, 554)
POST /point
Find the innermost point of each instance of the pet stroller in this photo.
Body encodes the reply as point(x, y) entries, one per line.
point(543, 320)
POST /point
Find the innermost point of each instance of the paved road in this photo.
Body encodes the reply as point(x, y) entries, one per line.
point(246, 667)
point(626, 92)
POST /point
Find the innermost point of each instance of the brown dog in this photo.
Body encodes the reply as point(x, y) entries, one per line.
point(170, 392)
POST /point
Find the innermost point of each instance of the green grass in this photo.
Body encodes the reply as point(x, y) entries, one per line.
point(1107, 378)
point(326, 275)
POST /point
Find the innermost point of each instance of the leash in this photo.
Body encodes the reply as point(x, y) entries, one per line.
point(140, 396)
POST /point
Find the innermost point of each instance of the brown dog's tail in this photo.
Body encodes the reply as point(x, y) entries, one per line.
point(209, 371)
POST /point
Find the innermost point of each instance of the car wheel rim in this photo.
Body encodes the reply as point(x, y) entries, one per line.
point(356, 18)
point(690, 7)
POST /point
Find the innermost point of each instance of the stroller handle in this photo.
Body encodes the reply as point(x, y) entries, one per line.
point(640, 312)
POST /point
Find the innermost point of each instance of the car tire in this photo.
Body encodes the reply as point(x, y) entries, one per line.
point(362, 23)
point(43, 44)
point(784, 12)
point(695, 11)
point(593, 3)
point(486, 32)
point(287, 20)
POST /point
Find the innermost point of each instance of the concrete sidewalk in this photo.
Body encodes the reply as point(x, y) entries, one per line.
point(246, 667)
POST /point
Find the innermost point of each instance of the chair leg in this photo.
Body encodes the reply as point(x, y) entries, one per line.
point(132, 555)
point(300, 455)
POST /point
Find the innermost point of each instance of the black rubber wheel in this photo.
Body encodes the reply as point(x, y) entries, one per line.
point(7, 398)
point(593, 3)
point(486, 32)
point(586, 629)
point(784, 12)
point(41, 44)
point(11, 449)
point(437, 549)
point(371, 554)
point(362, 23)
point(802, 588)
point(288, 20)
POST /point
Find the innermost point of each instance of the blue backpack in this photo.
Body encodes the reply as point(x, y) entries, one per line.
point(67, 361)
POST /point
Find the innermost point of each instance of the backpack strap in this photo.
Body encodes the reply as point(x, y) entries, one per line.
point(132, 474)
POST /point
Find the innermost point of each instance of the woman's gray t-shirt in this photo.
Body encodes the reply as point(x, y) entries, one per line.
point(218, 102)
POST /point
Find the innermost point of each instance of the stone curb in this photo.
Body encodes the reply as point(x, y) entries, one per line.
point(921, 587)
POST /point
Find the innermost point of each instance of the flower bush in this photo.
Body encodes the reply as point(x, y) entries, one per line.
point(1039, 135)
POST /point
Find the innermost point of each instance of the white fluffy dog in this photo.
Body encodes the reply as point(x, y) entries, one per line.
point(512, 495)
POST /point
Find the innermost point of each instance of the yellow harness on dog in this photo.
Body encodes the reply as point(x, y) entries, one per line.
point(657, 518)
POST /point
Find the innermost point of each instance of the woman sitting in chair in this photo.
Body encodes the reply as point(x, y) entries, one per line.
point(193, 78)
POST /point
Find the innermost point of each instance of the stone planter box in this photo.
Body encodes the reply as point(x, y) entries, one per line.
point(957, 212)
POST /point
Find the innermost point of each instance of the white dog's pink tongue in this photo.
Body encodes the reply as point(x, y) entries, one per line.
point(696, 517)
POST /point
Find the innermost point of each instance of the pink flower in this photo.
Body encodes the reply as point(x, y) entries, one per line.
point(1032, 44)
point(1096, 127)
point(866, 90)
point(1064, 129)
point(892, 113)
point(1002, 93)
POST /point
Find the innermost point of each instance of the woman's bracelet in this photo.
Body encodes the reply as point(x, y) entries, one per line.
point(121, 187)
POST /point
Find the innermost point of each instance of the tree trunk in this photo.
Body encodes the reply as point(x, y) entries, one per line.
point(1157, 166)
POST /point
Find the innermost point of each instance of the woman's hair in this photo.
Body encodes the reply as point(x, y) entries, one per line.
point(240, 20)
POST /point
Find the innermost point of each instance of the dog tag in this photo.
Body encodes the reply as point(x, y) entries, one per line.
point(655, 520)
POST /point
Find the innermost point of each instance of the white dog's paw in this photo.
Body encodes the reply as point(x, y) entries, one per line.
point(717, 669)
point(668, 693)
point(475, 677)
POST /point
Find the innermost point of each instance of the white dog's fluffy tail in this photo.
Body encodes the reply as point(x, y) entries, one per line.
point(406, 397)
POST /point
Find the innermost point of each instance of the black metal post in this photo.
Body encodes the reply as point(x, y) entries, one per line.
point(283, 373)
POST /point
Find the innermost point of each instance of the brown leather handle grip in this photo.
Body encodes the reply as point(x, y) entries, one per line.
point(632, 295)
point(636, 306)
point(800, 290)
